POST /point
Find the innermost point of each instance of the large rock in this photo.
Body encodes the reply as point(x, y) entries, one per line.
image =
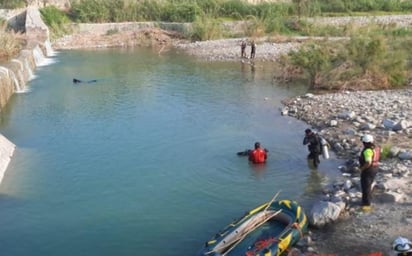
point(323, 213)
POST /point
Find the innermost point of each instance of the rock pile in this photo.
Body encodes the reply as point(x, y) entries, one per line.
point(342, 118)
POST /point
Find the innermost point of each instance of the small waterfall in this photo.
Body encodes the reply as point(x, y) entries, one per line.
point(29, 71)
point(20, 76)
point(49, 50)
point(38, 56)
point(16, 82)
point(4, 70)
point(17, 86)
point(18, 62)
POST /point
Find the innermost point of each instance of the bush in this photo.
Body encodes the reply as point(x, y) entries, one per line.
point(315, 59)
point(10, 44)
point(205, 28)
point(180, 12)
point(363, 62)
point(385, 151)
point(12, 4)
point(56, 20)
point(90, 11)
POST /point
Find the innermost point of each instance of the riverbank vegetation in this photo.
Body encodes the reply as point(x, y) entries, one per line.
point(12, 4)
point(366, 55)
point(11, 42)
point(367, 59)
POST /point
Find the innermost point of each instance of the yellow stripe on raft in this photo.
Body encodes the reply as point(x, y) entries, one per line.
point(303, 222)
point(211, 242)
point(287, 203)
point(257, 209)
point(284, 243)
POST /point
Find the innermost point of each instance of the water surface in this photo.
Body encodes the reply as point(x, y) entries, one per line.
point(143, 162)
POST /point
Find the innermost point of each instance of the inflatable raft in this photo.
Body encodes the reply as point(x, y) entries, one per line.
point(268, 230)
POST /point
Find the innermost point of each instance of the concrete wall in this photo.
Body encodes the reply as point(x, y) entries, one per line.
point(6, 152)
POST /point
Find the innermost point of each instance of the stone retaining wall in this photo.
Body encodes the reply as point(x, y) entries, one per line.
point(18, 71)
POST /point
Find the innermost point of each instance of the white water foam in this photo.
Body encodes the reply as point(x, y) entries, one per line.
point(40, 59)
point(49, 50)
point(29, 71)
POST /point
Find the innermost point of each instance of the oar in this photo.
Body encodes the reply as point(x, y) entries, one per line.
point(248, 232)
point(271, 201)
point(244, 235)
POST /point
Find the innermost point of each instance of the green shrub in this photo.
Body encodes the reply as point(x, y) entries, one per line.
point(205, 28)
point(56, 20)
point(314, 58)
point(180, 12)
point(12, 4)
point(90, 11)
point(385, 151)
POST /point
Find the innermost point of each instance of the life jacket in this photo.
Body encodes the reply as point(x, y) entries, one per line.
point(258, 156)
point(376, 156)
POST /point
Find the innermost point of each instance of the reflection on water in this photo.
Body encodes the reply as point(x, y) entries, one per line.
point(258, 170)
point(315, 182)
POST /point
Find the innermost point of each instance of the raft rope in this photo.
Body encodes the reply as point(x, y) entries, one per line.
point(260, 245)
point(296, 226)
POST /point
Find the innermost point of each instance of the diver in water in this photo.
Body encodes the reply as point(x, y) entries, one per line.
point(77, 81)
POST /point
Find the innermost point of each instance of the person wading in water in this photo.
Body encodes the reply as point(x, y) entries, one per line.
point(312, 140)
point(258, 155)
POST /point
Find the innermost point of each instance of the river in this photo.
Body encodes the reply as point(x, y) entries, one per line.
point(143, 161)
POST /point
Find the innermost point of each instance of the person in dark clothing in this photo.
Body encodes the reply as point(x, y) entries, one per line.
point(368, 161)
point(312, 140)
point(252, 50)
point(243, 49)
point(258, 155)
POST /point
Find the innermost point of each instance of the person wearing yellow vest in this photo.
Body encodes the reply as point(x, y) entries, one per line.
point(369, 161)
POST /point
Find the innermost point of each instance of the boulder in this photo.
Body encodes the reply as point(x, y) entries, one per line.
point(323, 213)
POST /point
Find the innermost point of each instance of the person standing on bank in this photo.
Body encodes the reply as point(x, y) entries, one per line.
point(243, 49)
point(252, 50)
point(312, 140)
point(369, 162)
point(258, 155)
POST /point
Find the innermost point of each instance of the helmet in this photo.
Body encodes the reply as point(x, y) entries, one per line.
point(367, 138)
point(401, 245)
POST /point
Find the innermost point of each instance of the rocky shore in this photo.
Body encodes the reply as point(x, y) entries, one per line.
point(342, 118)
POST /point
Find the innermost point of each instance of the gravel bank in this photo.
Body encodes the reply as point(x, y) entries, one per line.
point(342, 118)
point(229, 49)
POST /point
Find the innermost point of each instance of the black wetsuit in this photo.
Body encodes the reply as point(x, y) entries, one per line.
point(313, 147)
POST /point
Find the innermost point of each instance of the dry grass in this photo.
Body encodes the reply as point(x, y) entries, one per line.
point(10, 43)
